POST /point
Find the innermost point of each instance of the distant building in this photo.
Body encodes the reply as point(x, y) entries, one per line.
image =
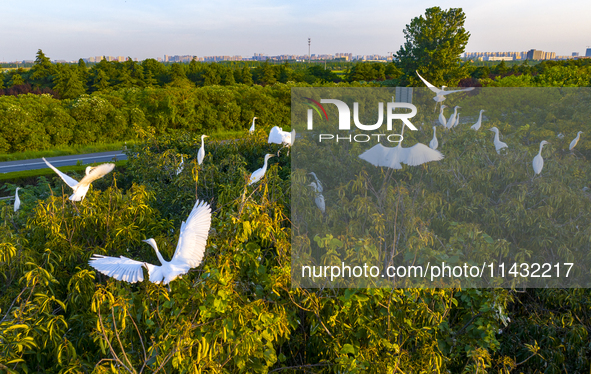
point(499, 58)
point(575, 54)
point(534, 54)
point(588, 52)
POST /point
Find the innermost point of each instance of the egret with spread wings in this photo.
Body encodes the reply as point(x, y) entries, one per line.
point(81, 188)
point(440, 92)
point(189, 253)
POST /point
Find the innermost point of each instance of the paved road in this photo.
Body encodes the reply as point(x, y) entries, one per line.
point(37, 163)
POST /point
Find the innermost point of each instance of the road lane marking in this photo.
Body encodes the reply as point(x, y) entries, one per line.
point(55, 162)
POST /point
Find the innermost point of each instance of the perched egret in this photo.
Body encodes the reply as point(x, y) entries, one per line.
point(575, 141)
point(278, 136)
point(189, 253)
point(201, 152)
point(17, 201)
point(81, 188)
point(319, 198)
point(442, 119)
point(393, 157)
point(318, 184)
point(181, 166)
point(538, 162)
point(252, 127)
point(433, 144)
point(259, 173)
point(457, 120)
point(452, 119)
point(440, 93)
point(498, 143)
point(476, 126)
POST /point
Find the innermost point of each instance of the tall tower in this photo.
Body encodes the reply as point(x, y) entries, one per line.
point(309, 40)
point(588, 52)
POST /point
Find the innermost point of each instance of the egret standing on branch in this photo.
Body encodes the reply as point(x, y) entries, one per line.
point(252, 127)
point(440, 93)
point(201, 152)
point(81, 188)
point(538, 162)
point(17, 201)
point(259, 173)
point(498, 143)
point(189, 253)
point(452, 119)
point(433, 144)
point(575, 141)
point(476, 126)
point(441, 116)
point(318, 198)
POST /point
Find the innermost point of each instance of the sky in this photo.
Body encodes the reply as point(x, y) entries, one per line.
point(68, 30)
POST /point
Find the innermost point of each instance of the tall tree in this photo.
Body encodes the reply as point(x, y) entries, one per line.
point(433, 46)
point(68, 83)
point(246, 75)
point(43, 71)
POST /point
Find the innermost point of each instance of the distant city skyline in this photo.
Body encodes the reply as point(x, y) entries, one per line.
point(68, 30)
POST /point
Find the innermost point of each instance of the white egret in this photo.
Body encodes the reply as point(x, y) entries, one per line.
point(440, 93)
point(560, 136)
point(201, 152)
point(17, 200)
point(452, 119)
point(81, 188)
point(575, 141)
point(318, 198)
point(259, 173)
point(252, 127)
point(498, 143)
point(457, 120)
point(442, 119)
point(278, 136)
point(319, 187)
point(433, 144)
point(393, 157)
point(538, 162)
point(181, 166)
point(189, 253)
point(476, 126)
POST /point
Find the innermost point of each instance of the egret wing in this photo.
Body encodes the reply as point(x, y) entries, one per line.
point(454, 91)
point(193, 236)
point(120, 268)
point(431, 87)
point(69, 180)
point(379, 155)
point(275, 135)
point(96, 173)
point(419, 154)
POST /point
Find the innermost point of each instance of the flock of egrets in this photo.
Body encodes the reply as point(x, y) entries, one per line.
point(193, 234)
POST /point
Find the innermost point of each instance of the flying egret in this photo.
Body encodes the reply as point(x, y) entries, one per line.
point(538, 162)
point(498, 143)
point(181, 166)
point(189, 253)
point(81, 188)
point(393, 157)
point(319, 187)
point(442, 119)
point(476, 126)
point(201, 153)
point(252, 127)
point(278, 136)
point(452, 119)
point(433, 144)
point(318, 198)
point(17, 200)
point(259, 173)
point(575, 141)
point(440, 93)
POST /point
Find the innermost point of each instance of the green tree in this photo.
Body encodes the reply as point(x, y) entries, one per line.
point(100, 81)
point(246, 75)
point(43, 71)
point(433, 46)
point(16, 80)
point(68, 83)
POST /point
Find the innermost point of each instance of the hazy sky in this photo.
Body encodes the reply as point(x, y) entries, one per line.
point(149, 28)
